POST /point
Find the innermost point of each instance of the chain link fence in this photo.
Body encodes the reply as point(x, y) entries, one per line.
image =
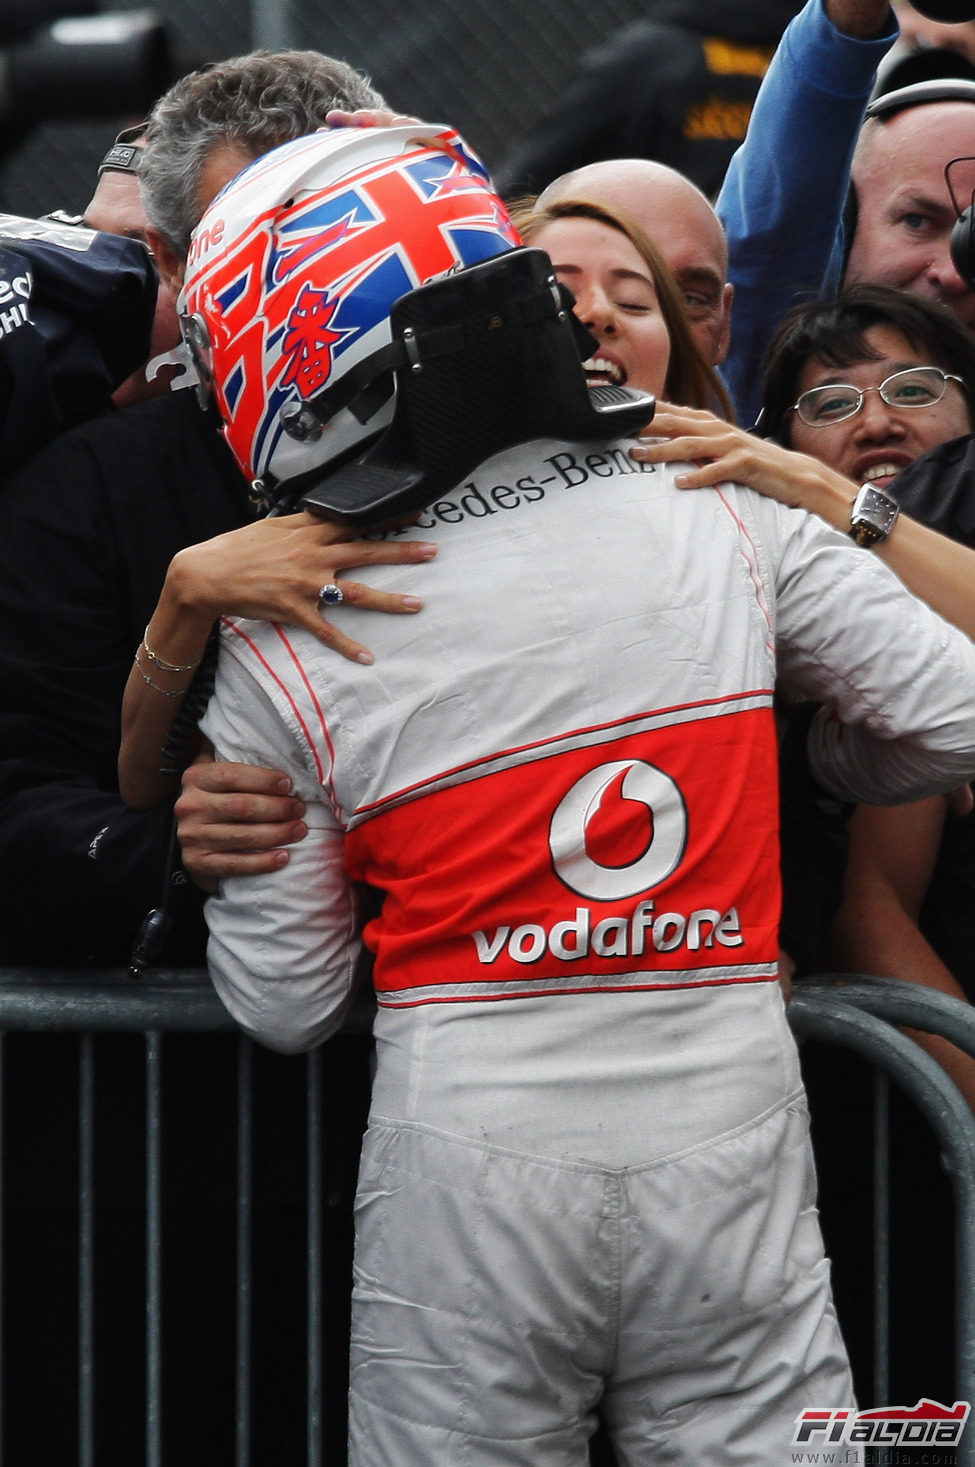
point(489, 67)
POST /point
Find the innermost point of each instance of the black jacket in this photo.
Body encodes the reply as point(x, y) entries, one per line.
point(87, 531)
point(939, 489)
point(677, 86)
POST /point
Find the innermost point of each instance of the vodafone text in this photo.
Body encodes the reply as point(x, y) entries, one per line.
point(612, 937)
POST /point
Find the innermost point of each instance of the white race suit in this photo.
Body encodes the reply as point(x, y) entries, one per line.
point(586, 1178)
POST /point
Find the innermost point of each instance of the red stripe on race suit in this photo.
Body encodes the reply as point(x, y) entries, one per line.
point(655, 854)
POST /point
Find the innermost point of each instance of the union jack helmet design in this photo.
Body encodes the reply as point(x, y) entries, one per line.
point(294, 267)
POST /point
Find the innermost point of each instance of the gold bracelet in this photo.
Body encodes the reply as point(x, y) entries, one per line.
point(163, 666)
point(166, 692)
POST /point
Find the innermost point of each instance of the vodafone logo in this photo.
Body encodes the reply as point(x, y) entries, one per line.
point(621, 829)
point(618, 833)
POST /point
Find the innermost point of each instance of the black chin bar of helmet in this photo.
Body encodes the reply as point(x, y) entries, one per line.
point(483, 360)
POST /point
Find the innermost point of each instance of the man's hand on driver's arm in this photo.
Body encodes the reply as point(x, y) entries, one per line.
point(235, 820)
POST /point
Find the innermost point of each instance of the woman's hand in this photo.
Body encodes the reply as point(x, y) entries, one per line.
point(370, 117)
point(274, 569)
point(722, 453)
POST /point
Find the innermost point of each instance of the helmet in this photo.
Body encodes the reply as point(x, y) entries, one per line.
point(294, 268)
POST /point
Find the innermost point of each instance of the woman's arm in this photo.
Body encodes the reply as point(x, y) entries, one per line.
point(272, 570)
point(939, 570)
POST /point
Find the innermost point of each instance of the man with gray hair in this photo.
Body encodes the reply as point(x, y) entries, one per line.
point(135, 487)
point(216, 120)
point(87, 531)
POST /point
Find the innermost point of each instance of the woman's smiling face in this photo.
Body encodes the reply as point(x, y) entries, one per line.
point(616, 299)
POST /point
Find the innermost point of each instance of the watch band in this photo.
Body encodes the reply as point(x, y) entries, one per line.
point(873, 516)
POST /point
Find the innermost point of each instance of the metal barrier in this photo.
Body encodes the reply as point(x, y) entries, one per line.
point(861, 1014)
point(168, 1004)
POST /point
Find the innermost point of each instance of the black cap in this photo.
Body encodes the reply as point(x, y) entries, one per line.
point(123, 155)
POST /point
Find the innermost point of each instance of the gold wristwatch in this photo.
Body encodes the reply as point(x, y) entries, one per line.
point(873, 516)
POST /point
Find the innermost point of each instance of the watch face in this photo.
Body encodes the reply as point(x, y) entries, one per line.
point(874, 501)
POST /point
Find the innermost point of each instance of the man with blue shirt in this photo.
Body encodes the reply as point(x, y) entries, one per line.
point(782, 199)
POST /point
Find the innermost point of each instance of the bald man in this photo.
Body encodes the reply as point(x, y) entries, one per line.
point(773, 238)
point(905, 212)
point(783, 200)
point(682, 224)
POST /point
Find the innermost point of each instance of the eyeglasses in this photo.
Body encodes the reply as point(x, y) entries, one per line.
point(915, 387)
